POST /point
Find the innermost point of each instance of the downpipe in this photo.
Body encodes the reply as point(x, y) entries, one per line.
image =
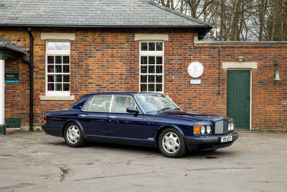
point(30, 62)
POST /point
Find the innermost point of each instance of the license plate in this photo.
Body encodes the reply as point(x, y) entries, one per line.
point(226, 139)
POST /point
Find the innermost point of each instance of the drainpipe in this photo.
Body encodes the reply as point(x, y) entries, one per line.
point(31, 77)
point(219, 55)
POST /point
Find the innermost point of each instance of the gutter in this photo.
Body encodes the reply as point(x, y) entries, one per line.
point(30, 62)
point(201, 29)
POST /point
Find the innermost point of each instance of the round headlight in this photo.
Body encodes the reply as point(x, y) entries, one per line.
point(232, 126)
point(229, 126)
point(208, 129)
point(202, 129)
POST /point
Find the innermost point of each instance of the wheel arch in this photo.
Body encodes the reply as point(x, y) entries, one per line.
point(163, 127)
point(72, 121)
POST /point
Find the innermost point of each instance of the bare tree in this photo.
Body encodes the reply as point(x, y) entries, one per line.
point(238, 20)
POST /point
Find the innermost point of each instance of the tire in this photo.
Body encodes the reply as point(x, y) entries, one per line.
point(73, 135)
point(171, 144)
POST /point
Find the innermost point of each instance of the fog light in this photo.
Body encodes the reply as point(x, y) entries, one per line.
point(208, 129)
point(202, 129)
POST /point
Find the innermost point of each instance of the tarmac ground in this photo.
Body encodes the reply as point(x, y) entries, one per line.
point(33, 161)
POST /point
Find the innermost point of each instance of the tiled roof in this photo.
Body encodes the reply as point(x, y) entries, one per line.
point(93, 13)
point(4, 44)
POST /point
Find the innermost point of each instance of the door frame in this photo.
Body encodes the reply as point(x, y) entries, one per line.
point(250, 84)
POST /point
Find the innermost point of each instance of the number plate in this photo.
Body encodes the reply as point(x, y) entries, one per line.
point(226, 139)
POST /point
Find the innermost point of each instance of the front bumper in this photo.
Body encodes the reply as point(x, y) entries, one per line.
point(210, 142)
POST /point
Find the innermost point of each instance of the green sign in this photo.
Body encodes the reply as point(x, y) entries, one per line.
point(13, 122)
point(11, 77)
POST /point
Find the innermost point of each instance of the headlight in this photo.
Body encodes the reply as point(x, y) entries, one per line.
point(208, 129)
point(232, 126)
point(202, 129)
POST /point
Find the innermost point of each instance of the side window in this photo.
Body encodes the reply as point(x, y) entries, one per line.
point(98, 103)
point(87, 105)
point(121, 103)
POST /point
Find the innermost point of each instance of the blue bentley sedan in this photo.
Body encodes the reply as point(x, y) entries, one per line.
point(149, 119)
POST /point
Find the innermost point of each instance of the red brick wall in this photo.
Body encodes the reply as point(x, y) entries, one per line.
point(269, 104)
point(108, 61)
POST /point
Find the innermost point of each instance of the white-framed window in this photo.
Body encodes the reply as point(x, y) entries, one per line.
point(151, 66)
point(58, 68)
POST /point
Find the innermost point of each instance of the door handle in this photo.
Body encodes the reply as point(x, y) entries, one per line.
point(82, 115)
point(112, 117)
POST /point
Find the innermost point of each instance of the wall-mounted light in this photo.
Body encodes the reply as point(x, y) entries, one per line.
point(276, 71)
point(240, 59)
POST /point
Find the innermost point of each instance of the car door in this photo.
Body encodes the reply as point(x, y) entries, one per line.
point(124, 125)
point(94, 116)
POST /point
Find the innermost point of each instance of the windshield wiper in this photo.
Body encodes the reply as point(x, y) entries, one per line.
point(164, 109)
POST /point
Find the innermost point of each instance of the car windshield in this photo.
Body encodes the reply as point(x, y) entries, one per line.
point(155, 103)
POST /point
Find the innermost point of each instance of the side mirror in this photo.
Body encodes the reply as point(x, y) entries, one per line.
point(132, 110)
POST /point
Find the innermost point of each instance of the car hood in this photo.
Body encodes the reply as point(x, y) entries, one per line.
point(192, 116)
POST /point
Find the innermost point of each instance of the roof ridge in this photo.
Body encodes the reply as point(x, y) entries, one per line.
point(178, 13)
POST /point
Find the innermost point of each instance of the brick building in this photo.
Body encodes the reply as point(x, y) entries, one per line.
point(133, 45)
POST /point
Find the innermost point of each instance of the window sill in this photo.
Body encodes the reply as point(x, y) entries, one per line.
point(57, 98)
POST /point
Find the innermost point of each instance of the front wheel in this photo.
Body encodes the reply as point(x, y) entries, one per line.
point(73, 135)
point(171, 143)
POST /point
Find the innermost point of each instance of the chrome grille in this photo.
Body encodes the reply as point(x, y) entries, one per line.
point(221, 127)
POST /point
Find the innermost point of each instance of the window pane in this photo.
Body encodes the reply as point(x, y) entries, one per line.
point(51, 68)
point(51, 87)
point(151, 87)
point(144, 69)
point(66, 78)
point(59, 78)
point(151, 46)
point(66, 68)
point(58, 59)
point(159, 46)
point(158, 87)
point(50, 60)
point(144, 46)
point(159, 79)
point(143, 87)
point(58, 68)
point(66, 59)
point(51, 78)
point(87, 105)
point(51, 46)
point(158, 69)
point(58, 87)
point(59, 46)
point(151, 78)
point(66, 87)
point(158, 60)
point(143, 78)
point(101, 103)
point(151, 60)
point(121, 103)
point(66, 46)
point(151, 69)
point(143, 59)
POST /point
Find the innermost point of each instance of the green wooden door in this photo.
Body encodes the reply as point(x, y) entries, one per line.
point(238, 97)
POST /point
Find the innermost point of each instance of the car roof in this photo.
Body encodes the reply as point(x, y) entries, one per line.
point(125, 93)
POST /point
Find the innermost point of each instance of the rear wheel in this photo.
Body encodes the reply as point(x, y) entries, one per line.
point(73, 135)
point(171, 143)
